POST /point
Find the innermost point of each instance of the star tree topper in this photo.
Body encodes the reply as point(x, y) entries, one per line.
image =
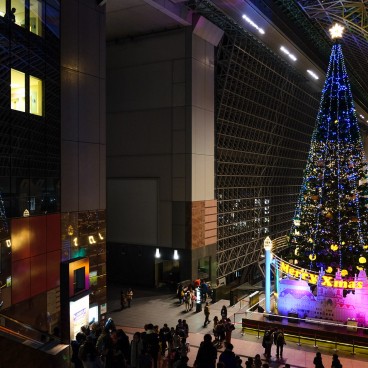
point(336, 31)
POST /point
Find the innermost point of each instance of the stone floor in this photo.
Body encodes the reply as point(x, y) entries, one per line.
point(160, 306)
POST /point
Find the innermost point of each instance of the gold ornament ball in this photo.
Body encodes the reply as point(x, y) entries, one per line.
point(312, 257)
point(362, 260)
point(334, 247)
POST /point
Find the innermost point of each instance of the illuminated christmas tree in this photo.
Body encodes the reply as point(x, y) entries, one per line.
point(330, 229)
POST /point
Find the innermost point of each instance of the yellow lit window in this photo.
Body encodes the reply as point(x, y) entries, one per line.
point(18, 14)
point(35, 17)
point(2, 8)
point(35, 96)
point(17, 91)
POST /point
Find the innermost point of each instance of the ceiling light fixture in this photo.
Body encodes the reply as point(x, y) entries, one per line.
point(248, 20)
point(314, 75)
point(288, 53)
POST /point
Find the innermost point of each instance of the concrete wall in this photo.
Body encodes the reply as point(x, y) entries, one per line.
point(160, 158)
point(148, 114)
point(160, 111)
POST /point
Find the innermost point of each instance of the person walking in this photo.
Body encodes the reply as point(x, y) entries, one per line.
point(207, 314)
point(317, 361)
point(207, 354)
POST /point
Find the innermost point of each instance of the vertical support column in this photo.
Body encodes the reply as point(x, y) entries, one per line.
point(267, 247)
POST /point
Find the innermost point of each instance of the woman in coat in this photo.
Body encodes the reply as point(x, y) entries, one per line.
point(136, 347)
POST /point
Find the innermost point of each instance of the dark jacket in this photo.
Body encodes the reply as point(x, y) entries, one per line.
point(206, 355)
point(228, 358)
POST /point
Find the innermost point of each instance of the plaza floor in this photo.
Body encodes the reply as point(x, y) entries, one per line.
point(159, 307)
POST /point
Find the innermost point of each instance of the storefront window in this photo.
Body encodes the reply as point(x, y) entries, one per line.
point(35, 96)
point(35, 17)
point(18, 90)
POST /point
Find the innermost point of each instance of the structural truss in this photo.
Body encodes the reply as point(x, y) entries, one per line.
point(264, 122)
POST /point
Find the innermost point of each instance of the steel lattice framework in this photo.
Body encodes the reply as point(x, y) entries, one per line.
point(264, 122)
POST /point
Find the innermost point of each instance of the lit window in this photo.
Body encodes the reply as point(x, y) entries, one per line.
point(35, 96)
point(19, 87)
point(35, 17)
point(17, 12)
point(2, 8)
point(18, 91)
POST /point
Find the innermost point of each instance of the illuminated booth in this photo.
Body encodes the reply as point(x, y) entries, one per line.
point(75, 298)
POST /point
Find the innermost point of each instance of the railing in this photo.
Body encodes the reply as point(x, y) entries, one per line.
point(328, 334)
point(24, 333)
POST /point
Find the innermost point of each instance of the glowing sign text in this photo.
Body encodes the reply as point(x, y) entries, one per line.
point(312, 278)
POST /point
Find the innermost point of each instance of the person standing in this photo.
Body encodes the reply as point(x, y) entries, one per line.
point(228, 357)
point(164, 336)
point(257, 361)
point(336, 361)
point(185, 327)
point(207, 353)
point(267, 343)
point(180, 293)
point(280, 342)
point(207, 314)
point(151, 343)
point(80, 338)
point(317, 361)
point(224, 312)
point(136, 347)
point(129, 296)
point(88, 354)
point(229, 328)
point(123, 300)
point(249, 363)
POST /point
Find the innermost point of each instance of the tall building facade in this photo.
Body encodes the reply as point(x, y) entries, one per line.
point(52, 181)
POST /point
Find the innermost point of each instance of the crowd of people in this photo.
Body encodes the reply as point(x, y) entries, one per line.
point(188, 295)
point(105, 346)
point(97, 346)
